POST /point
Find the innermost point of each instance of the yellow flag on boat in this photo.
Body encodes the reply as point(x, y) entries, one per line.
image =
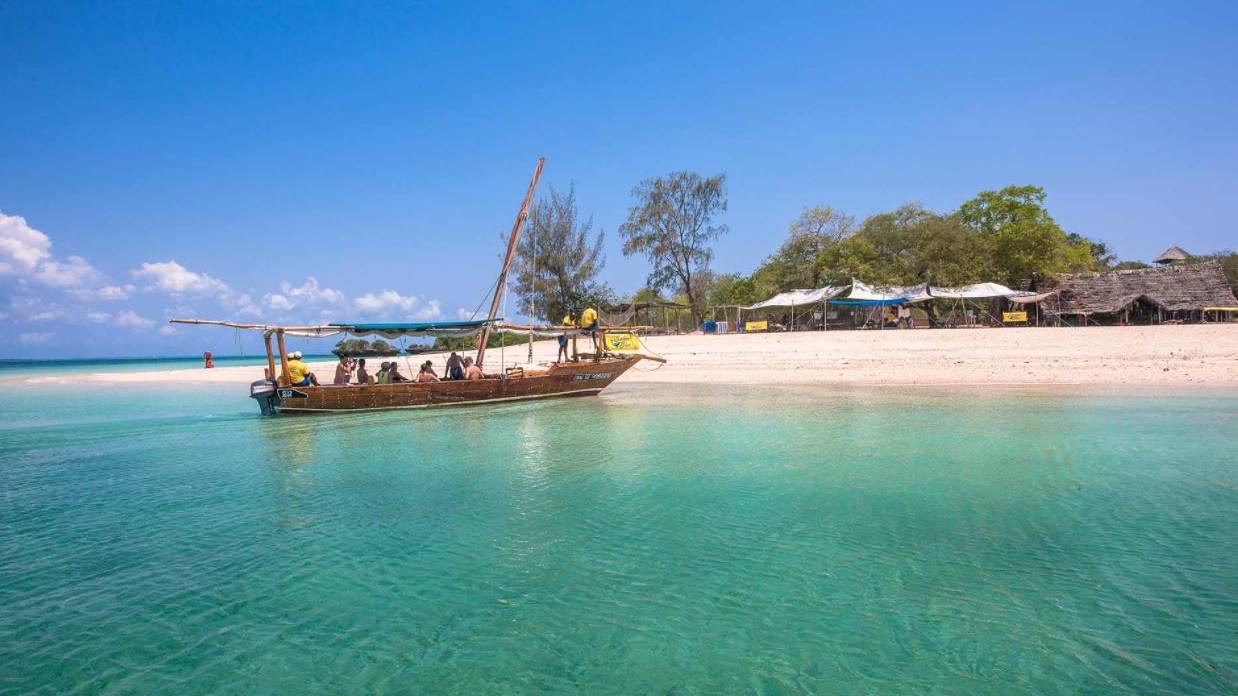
point(762, 325)
point(622, 342)
point(1014, 316)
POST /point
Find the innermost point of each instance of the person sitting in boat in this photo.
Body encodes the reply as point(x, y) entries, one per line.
point(384, 374)
point(427, 373)
point(455, 367)
point(299, 374)
point(362, 376)
point(568, 322)
point(471, 371)
point(394, 376)
point(343, 371)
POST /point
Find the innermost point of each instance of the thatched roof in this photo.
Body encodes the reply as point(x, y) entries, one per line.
point(1179, 287)
point(1171, 255)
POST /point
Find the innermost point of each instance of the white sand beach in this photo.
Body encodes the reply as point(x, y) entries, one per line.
point(1136, 355)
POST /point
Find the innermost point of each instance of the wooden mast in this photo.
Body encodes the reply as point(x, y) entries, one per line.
point(507, 261)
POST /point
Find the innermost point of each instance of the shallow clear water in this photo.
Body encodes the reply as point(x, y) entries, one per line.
point(653, 540)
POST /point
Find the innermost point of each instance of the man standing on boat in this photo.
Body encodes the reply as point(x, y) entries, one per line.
point(589, 322)
point(568, 322)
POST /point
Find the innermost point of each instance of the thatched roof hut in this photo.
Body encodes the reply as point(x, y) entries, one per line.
point(1172, 255)
point(1189, 287)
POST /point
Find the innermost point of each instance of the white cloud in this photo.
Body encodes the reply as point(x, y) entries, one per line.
point(46, 315)
point(130, 319)
point(69, 273)
point(98, 316)
point(115, 292)
point(431, 311)
point(27, 253)
point(167, 330)
point(464, 314)
point(311, 291)
point(277, 302)
point(34, 337)
point(171, 277)
point(22, 247)
point(385, 300)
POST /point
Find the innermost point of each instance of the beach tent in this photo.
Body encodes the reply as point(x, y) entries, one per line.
point(799, 298)
point(906, 293)
point(978, 291)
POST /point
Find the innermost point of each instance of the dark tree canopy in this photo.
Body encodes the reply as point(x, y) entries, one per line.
point(559, 258)
point(673, 224)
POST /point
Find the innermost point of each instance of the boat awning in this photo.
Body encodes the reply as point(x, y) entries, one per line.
point(417, 328)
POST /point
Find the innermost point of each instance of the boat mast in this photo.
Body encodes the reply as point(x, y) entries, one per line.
point(507, 261)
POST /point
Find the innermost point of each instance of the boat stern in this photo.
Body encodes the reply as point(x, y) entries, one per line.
point(264, 392)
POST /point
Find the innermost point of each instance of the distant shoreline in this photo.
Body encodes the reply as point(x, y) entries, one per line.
point(1171, 355)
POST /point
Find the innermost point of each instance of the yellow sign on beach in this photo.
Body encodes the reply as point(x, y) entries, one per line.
point(622, 341)
point(1009, 317)
point(762, 325)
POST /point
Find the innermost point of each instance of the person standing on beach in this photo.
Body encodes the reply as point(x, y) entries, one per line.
point(208, 359)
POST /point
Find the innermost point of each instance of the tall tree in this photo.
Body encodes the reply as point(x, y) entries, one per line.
point(672, 224)
point(797, 263)
point(559, 258)
point(1026, 243)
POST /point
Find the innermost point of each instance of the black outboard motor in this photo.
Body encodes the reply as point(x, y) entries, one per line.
point(263, 391)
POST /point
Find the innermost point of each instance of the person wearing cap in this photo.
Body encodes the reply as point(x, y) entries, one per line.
point(299, 374)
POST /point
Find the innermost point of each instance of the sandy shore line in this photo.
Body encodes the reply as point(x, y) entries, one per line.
point(1146, 355)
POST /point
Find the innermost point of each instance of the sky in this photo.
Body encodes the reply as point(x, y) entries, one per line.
point(307, 162)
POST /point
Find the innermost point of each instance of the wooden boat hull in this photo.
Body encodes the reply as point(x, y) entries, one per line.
point(561, 380)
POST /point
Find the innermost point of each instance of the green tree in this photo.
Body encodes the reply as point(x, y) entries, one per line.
point(673, 224)
point(797, 263)
point(559, 258)
point(1026, 245)
point(732, 289)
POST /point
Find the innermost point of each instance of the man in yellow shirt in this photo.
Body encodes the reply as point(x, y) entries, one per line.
point(299, 374)
point(568, 322)
point(589, 322)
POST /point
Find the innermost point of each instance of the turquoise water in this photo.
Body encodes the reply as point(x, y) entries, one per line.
point(11, 370)
point(654, 540)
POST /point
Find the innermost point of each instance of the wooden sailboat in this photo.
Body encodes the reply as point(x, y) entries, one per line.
point(583, 377)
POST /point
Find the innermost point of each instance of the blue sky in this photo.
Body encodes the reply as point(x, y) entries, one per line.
point(365, 159)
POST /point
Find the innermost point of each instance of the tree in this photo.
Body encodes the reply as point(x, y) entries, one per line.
point(1229, 264)
point(672, 224)
point(1026, 243)
point(797, 263)
point(732, 289)
point(558, 259)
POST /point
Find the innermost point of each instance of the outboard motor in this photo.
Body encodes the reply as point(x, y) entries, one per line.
point(263, 391)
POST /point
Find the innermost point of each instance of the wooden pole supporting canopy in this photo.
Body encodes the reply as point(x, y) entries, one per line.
point(283, 357)
point(266, 337)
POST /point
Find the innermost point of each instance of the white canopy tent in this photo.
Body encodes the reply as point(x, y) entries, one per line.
point(798, 298)
point(972, 292)
point(909, 293)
